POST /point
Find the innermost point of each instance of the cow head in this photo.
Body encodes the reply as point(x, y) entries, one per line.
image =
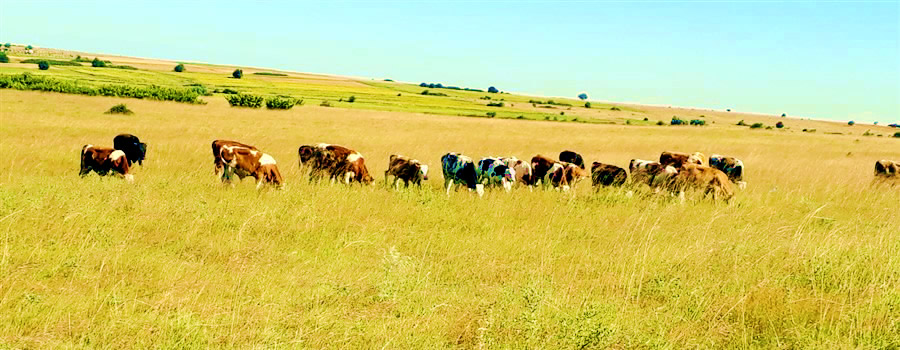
point(423, 171)
point(119, 163)
point(305, 154)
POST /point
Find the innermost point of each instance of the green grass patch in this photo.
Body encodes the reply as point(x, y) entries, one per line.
point(41, 83)
point(53, 62)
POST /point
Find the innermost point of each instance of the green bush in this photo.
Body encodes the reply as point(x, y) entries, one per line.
point(52, 62)
point(298, 103)
point(121, 67)
point(485, 98)
point(741, 123)
point(245, 100)
point(351, 99)
point(587, 105)
point(43, 65)
point(179, 68)
point(29, 47)
point(615, 109)
point(7, 45)
point(325, 104)
point(279, 102)
point(495, 104)
point(756, 126)
point(491, 114)
point(200, 89)
point(897, 134)
point(271, 74)
point(428, 93)
point(97, 63)
point(38, 83)
point(237, 74)
point(119, 109)
point(4, 58)
point(226, 91)
point(660, 123)
point(779, 125)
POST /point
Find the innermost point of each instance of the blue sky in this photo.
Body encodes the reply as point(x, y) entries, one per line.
point(829, 60)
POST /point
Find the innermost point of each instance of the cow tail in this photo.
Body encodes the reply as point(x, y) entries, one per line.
point(81, 169)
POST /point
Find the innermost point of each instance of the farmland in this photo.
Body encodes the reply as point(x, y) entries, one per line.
point(806, 256)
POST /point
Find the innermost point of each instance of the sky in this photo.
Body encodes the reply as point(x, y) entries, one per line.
point(825, 60)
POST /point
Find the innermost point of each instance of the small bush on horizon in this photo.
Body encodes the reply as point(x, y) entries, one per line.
point(587, 105)
point(43, 65)
point(237, 74)
point(351, 99)
point(756, 126)
point(741, 123)
point(779, 125)
point(615, 109)
point(245, 100)
point(279, 102)
point(495, 104)
point(97, 63)
point(492, 90)
point(491, 114)
point(325, 103)
point(179, 68)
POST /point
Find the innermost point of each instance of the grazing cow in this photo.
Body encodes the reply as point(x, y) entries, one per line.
point(104, 160)
point(522, 168)
point(494, 172)
point(566, 175)
point(305, 154)
point(339, 162)
point(245, 162)
point(217, 147)
point(887, 169)
point(731, 166)
point(408, 170)
point(649, 172)
point(460, 169)
point(353, 169)
point(709, 180)
point(541, 166)
point(677, 159)
point(134, 149)
point(571, 157)
point(607, 175)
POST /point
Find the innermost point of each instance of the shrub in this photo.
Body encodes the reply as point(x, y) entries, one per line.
point(582, 96)
point(29, 47)
point(741, 123)
point(38, 83)
point(779, 125)
point(698, 122)
point(851, 123)
point(52, 62)
point(562, 113)
point(279, 102)
point(200, 89)
point(493, 90)
point(485, 98)
point(7, 45)
point(43, 65)
point(491, 114)
point(523, 117)
point(676, 121)
point(179, 68)
point(615, 109)
point(495, 104)
point(587, 105)
point(428, 93)
point(4, 58)
point(783, 115)
point(351, 99)
point(325, 104)
point(646, 119)
point(897, 134)
point(756, 126)
point(237, 74)
point(245, 100)
point(120, 67)
point(868, 133)
point(97, 63)
point(119, 109)
point(298, 103)
point(660, 123)
point(271, 74)
point(769, 128)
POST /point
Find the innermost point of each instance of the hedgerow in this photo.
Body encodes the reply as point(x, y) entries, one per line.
point(26, 81)
point(245, 100)
point(52, 62)
point(279, 102)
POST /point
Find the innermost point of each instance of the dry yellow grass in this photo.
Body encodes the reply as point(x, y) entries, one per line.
point(805, 257)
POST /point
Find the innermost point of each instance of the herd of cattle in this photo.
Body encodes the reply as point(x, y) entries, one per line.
point(675, 172)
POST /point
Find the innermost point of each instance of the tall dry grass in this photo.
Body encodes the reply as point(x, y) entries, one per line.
point(805, 257)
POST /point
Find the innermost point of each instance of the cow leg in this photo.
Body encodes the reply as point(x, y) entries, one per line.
point(681, 196)
point(448, 184)
point(347, 177)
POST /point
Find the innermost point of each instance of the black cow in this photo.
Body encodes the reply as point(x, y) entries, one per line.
point(134, 149)
point(572, 157)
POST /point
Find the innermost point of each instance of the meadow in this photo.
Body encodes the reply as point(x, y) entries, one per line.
point(805, 257)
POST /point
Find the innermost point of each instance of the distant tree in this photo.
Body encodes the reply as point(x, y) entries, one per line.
point(3, 58)
point(351, 99)
point(423, 85)
point(237, 74)
point(179, 68)
point(7, 45)
point(582, 96)
point(851, 123)
point(779, 125)
point(783, 115)
point(587, 105)
point(43, 65)
point(97, 63)
point(493, 90)
point(29, 47)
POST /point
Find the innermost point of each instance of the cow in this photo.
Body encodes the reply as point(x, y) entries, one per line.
point(607, 175)
point(731, 166)
point(103, 161)
point(650, 172)
point(522, 168)
point(217, 146)
point(677, 159)
point(406, 169)
point(571, 157)
point(887, 169)
point(566, 175)
point(245, 162)
point(541, 167)
point(710, 180)
point(134, 149)
point(494, 172)
point(305, 154)
point(336, 162)
point(460, 169)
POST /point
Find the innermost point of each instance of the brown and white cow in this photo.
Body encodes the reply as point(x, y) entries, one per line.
point(649, 172)
point(217, 146)
point(245, 162)
point(607, 175)
point(406, 169)
point(564, 175)
point(710, 180)
point(540, 167)
point(524, 172)
point(103, 161)
point(338, 163)
point(677, 159)
point(887, 169)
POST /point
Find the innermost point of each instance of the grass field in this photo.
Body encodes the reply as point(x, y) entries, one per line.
point(805, 257)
